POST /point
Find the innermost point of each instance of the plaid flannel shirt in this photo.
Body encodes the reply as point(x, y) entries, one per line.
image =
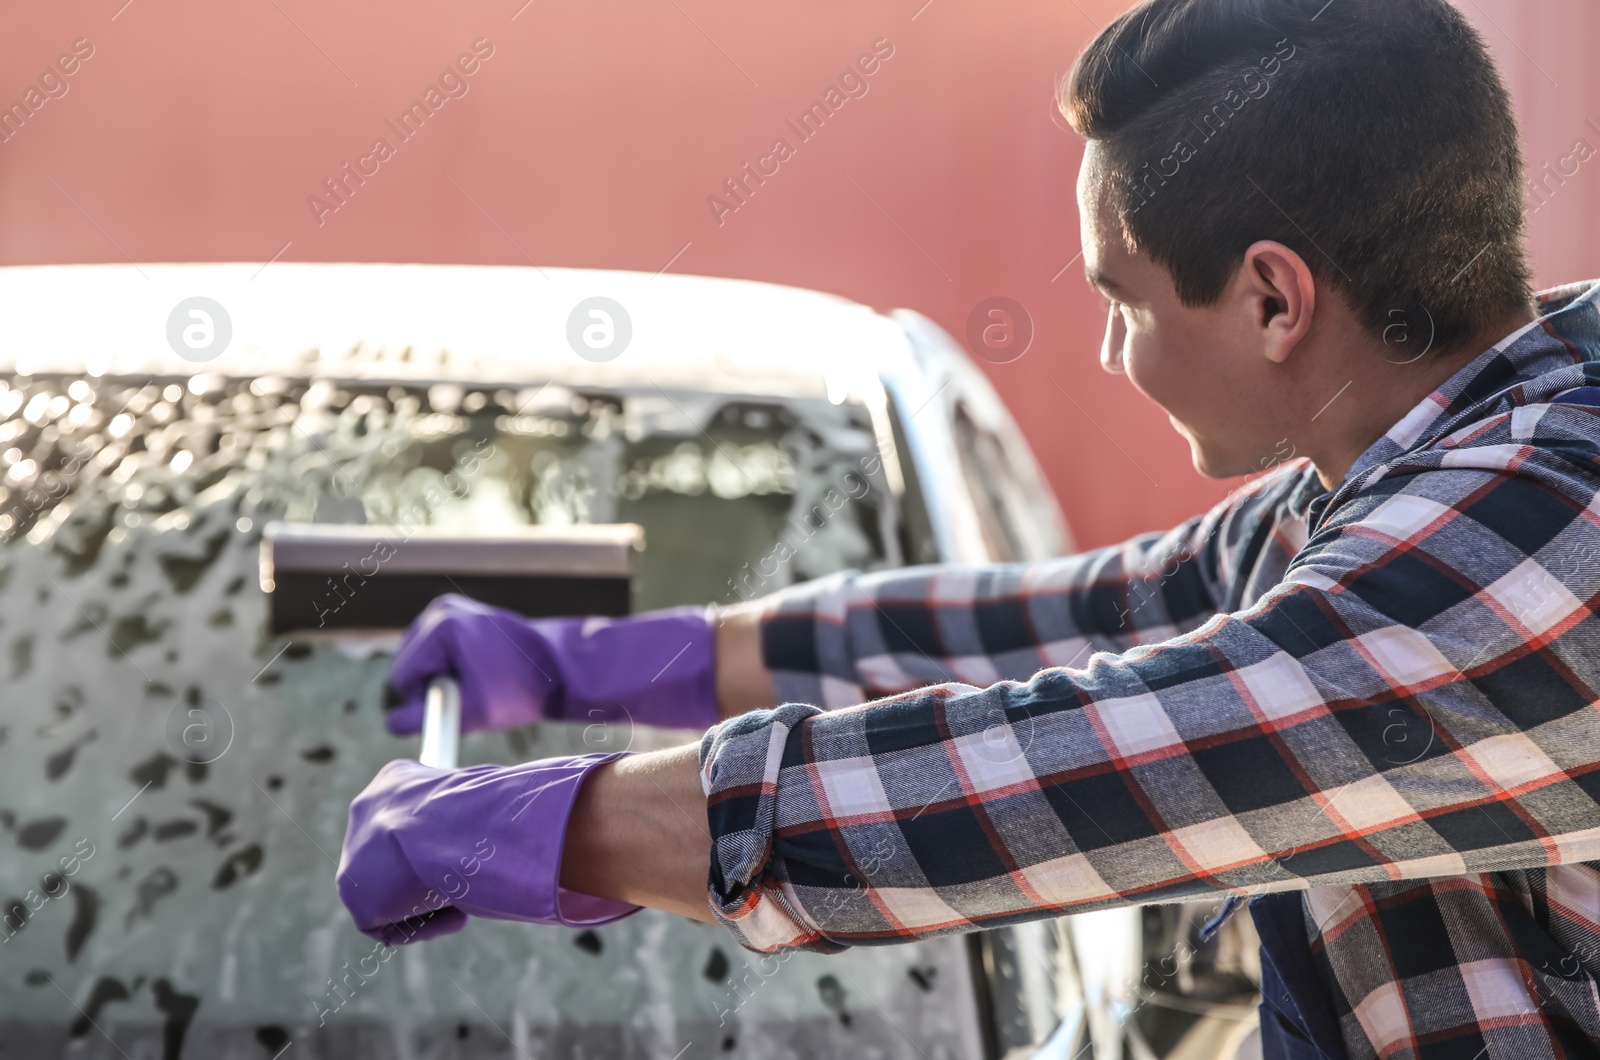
point(1383, 697)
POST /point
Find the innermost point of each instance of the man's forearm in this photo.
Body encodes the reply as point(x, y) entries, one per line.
point(743, 681)
point(638, 834)
point(638, 829)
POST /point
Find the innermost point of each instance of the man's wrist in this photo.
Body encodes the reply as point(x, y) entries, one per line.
point(743, 681)
point(638, 834)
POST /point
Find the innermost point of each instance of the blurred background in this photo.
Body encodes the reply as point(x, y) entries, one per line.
point(597, 135)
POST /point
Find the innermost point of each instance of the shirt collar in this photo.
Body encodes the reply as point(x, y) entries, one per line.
point(1531, 364)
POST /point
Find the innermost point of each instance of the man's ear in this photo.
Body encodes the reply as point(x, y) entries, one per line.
point(1280, 295)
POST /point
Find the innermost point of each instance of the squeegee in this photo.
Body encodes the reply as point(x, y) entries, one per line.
point(326, 580)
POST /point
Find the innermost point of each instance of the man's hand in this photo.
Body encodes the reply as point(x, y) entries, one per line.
point(655, 669)
point(427, 848)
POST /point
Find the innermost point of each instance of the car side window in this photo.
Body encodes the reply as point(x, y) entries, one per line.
point(995, 492)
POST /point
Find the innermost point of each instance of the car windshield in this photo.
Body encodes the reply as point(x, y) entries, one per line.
point(175, 779)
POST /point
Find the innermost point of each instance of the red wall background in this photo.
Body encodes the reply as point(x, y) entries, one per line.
point(596, 131)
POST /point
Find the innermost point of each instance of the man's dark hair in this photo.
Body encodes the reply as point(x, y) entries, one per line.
point(1373, 137)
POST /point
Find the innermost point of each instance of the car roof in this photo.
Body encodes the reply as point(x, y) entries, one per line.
point(427, 323)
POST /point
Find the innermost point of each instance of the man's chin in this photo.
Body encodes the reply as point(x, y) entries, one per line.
point(1209, 463)
point(1207, 467)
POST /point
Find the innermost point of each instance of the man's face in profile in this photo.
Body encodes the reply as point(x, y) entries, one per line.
point(1200, 364)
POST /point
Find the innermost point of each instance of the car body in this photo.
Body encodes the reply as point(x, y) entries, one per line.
point(194, 770)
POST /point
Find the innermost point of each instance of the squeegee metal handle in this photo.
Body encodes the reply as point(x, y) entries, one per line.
point(441, 724)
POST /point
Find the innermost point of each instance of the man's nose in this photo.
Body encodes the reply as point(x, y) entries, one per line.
point(1111, 349)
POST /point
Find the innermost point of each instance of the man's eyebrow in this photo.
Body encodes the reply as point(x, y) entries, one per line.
point(1102, 281)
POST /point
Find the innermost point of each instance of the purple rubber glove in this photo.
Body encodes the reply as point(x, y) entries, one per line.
point(655, 669)
point(427, 848)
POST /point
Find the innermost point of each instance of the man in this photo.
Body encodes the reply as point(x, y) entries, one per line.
point(1361, 691)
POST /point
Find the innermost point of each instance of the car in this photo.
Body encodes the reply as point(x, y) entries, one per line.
point(176, 776)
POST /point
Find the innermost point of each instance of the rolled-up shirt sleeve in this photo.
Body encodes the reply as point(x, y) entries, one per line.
point(849, 637)
point(1415, 699)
